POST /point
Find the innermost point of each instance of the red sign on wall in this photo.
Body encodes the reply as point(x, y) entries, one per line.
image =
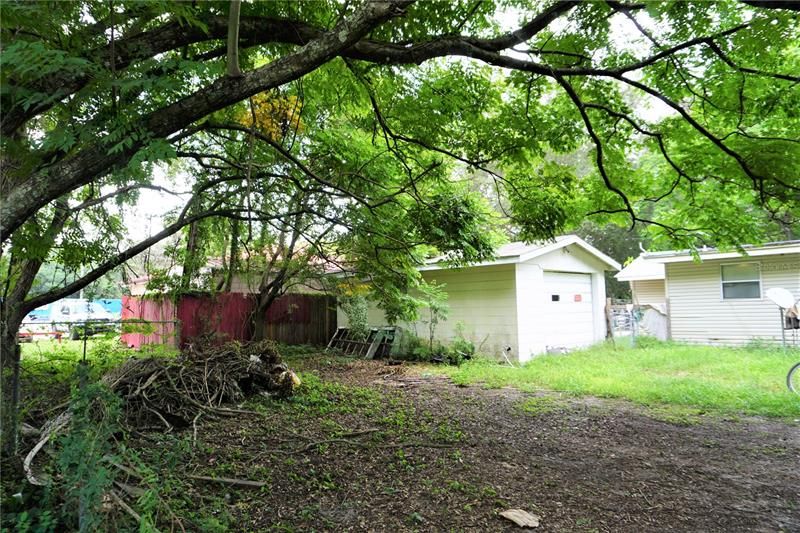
point(578, 298)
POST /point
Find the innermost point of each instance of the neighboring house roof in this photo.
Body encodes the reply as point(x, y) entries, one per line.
point(748, 250)
point(641, 269)
point(650, 265)
point(519, 252)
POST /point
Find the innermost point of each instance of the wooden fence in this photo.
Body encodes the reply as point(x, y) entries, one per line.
point(292, 318)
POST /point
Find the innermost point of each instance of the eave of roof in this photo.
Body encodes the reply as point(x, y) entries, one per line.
point(526, 253)
point(685, 256)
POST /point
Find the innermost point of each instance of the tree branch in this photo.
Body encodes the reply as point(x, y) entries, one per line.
point(598, 148)
point(234, 8)
point(95, 160)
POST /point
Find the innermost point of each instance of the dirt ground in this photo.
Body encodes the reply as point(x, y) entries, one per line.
point(387, 449)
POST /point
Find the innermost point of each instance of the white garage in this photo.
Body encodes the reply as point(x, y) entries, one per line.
point(569, 315)
point(532, 298)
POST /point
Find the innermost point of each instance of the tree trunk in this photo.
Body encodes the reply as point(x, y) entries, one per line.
point(233, 39)
point(260, 316)
point(10, 397)
point(265, 300)
point(190, 260)
point(14, 309)
point(233, 261)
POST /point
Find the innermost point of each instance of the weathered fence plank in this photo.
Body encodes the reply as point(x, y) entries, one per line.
point(292, 318)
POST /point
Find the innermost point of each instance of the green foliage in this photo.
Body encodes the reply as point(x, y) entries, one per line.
point(355, 307)
point(461, 346)
point(620, 243)
point(456, 224)
point(541, 202)
point(84, 473)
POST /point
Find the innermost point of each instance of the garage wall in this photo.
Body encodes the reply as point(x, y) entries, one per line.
point(538, 328)
point(482, 298)
point(699, 314)
point(571, 258)
point(530, 287)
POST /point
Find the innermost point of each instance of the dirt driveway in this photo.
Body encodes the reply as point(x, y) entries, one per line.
point(376, 448)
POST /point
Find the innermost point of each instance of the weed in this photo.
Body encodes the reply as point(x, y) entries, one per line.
point(448, 433)
point(676, 415)
point(416, 518)
point(539, 405)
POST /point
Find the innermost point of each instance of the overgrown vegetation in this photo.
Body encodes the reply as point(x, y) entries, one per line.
point(84, 471)
point(300, 453)
point(98, 462)
point(355, 308)
point(717, 380)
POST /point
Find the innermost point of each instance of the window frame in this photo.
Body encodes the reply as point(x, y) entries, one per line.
point(758, 280)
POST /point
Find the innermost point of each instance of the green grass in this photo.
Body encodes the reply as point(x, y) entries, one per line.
point(50, 365)
point(725, 381)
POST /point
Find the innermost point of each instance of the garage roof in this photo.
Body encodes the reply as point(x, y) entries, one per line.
point(519, 252)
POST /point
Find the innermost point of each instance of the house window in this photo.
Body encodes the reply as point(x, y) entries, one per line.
point(741, 281)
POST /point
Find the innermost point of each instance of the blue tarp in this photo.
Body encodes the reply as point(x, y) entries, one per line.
point(113, 305)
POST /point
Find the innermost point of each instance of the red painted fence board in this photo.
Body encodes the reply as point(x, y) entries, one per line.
point(227, 316)
point(159, 313)
point(292, 318)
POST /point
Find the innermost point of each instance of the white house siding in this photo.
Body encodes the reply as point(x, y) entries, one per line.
point(699, 314)
point(648, 292)
point(483, 299)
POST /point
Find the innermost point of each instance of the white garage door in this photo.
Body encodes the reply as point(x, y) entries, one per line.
point(568, 313)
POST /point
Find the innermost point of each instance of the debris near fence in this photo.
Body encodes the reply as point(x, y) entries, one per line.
point(203, 380)
point(378, 342)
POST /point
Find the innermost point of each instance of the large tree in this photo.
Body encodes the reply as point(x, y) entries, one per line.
point(683, 114)
point(93, 86)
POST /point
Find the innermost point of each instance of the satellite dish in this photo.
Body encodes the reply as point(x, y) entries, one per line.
point(781, 297)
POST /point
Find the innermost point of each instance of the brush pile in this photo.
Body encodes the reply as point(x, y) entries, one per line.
point(201, 381)
point(166, 393)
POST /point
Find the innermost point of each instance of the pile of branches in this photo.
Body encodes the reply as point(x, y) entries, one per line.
point(176, 392)
point(204, 378)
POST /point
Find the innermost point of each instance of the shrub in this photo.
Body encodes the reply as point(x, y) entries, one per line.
point(85, 476)
point(355, 307)
point(462, 346)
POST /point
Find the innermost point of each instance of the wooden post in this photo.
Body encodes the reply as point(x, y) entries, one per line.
point(609, 320)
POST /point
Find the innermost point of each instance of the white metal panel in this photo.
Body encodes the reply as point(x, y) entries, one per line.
point(568, 316)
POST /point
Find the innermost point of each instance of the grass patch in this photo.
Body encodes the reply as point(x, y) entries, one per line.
point(538, 405)
point(317, 397)
point(707, 379)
